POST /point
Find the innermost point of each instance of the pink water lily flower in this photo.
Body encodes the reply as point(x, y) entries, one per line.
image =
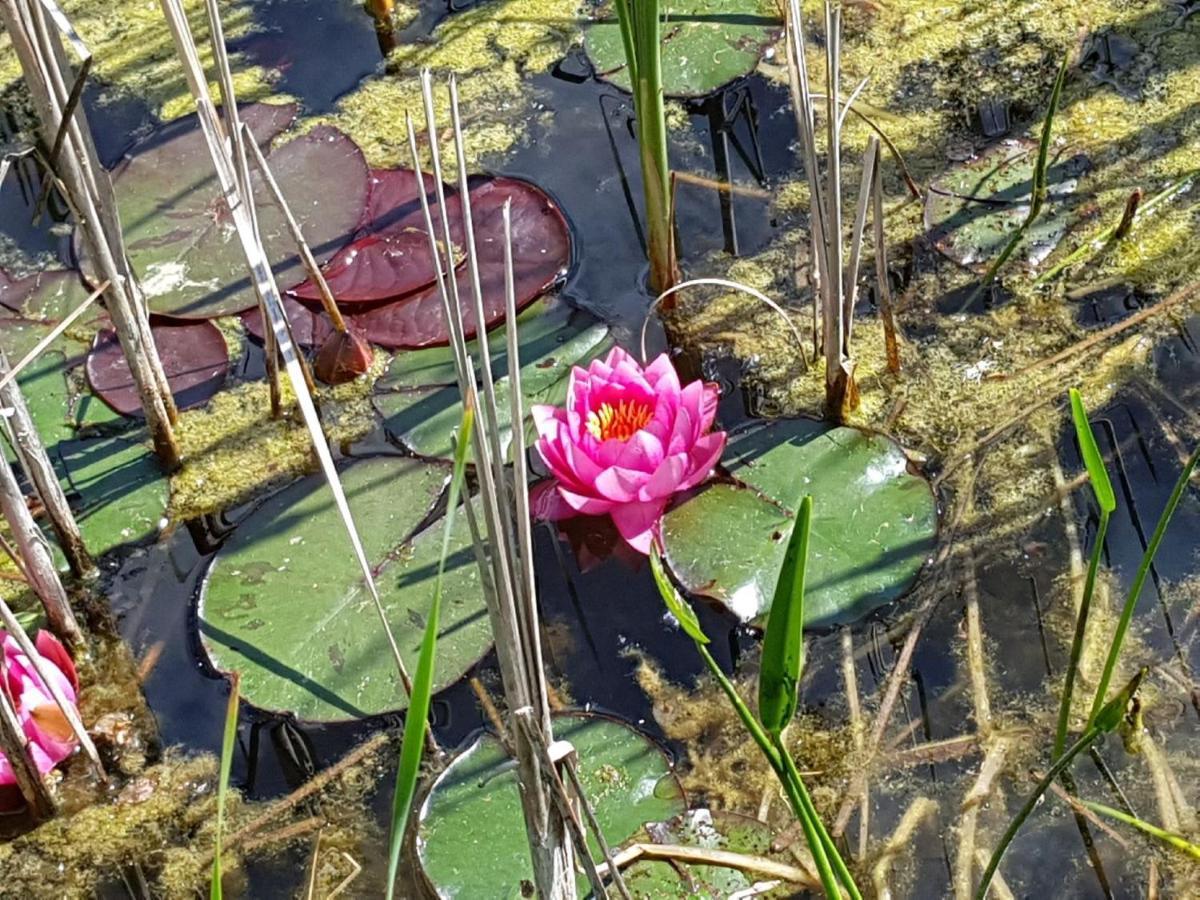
point(46, 728)
point(628, 440)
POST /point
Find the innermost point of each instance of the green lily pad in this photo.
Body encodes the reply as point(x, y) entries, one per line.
point(972, 210)
point(116, 488)
point(418, 396)
point(705, 44)
point(178, 229)
point(471, 839)
point(660, 880)
point(285, 604)
point(874, 521)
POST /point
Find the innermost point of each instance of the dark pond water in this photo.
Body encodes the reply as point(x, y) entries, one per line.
point(586, 157)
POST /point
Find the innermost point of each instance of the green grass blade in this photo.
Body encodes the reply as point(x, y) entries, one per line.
point(678, 607)
point(1092, 459)
point(783, 643)
point(1170, 838)
point(1114, 649)
point(1109, 718)
point(1107, 501)
point(1039, 187)
point(416, 722)
point(228, 743)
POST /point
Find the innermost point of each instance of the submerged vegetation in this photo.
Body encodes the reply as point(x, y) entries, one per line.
point(971, 604)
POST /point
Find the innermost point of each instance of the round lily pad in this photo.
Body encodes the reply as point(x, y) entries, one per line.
point(705, 44)
point(471, 840)
point(874, 521)
point(285, 604)
point(709, 830)
point(49, 295)
point(310, 325)
point(419, 398)
point(178, 229)
point(972, 210)
point(194, 356)
point(390, 258)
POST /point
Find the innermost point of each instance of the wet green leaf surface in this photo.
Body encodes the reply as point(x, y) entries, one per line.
point(419, 398)
point(285, 603)
point(874, 522)
point(706, 44)
point(472, 839)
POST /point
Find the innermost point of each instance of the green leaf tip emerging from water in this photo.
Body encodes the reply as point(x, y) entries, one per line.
point(678, 607)
point(1101, 486)
point(1135, 591)
point(1170, 838)
point(228, 742)
point(783, 643)
point(416, 721)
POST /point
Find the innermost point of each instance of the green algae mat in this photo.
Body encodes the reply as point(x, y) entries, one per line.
point(874, 521)
point(471, 835)
point(285, 603)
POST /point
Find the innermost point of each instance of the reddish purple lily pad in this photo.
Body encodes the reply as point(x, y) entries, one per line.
point(193, 354)
point(178, 229)
point(541, 252)
point(391, 257)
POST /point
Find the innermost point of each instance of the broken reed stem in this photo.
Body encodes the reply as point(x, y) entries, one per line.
point(39, 470)
point(87, 188)
point(511, 606)
point(883, 289)
point(870, 161)
point(66, 707)
point(965, 851)
point(15, 747)
point(850, 676)
point(918, 811)
point(39, 563)
point(310, 262)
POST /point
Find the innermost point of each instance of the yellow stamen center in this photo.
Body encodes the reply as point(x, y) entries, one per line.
point(620, 422)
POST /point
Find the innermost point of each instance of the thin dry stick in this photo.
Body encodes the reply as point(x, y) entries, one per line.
point(312, 870)
point(976, 661)
point(702, 856)
point(40, 347)
point(850, 676)
point(490, 711)
point(883, 289)
point(283, 835)
point(15, 747)
point(310, 262)
point(11, 553)
point(964, 861)
point(276, 811)
point(65, 706)
point(1163, 795)
point(869, 164)
point(918, 811)
point(342, 885)
point(1183, 295)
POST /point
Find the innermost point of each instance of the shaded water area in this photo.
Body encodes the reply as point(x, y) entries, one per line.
point(994, 605)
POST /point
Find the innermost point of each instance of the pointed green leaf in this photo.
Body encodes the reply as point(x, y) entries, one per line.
point(678, 607)
point(783, 643)
point(1098, 474)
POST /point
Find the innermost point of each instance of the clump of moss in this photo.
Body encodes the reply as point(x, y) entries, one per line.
point(489, 48)
point(134, 55)
point(232, 448)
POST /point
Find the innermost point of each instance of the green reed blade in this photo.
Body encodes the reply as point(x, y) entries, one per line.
point(228, 743)
point(1107, 721)
point(783, 643)
point(1107, 501)
point(1170, 838)
point(416, 721)
point(678, 607)
point(1160, 530)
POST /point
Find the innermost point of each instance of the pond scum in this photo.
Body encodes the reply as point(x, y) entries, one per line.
point(931, 66)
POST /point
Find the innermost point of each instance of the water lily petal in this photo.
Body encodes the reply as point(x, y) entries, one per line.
point(666, 479)
point(619, 484)
point(589, 506)
point(638, 522)
point(702, 458)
